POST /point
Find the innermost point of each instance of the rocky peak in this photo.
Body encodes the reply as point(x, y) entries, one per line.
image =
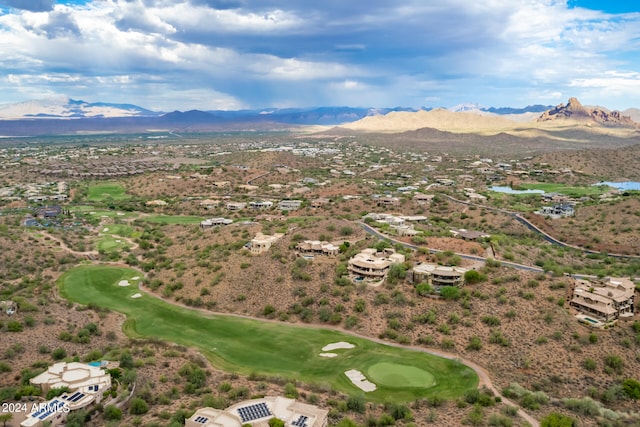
point(574, 110)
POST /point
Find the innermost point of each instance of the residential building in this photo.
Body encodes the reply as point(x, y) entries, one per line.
point(87, 386)
point(423, 199)
point(558, 210)
point(606, 300)
point(289, 205)
point(437, 275)
point(372, 266)
point(263, 242)
point(388, 201)
point(236, 206)
point(311, 248)
point(261, 204)
point(258, 412)
point(319, 202)
point(214, 222)
point(465, 234)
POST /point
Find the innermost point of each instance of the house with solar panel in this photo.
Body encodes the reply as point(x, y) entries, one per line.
point(258, 412)
point(87, 386)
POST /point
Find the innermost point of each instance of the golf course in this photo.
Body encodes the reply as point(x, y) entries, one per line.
point(246, 346)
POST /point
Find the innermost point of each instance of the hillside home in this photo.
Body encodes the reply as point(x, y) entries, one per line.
point(372, 266)
point(423, 199)
point(558, 210)
point(87, 386)
point(437, 275)
point(468, 235)
point(319, 202)
point(605, 300)
point(289, 205)
point(311, 248)
point(236, 206)
point(261, 204)
point(263, 242)
point(387, 201)
point(258, 412)
point(215, 222)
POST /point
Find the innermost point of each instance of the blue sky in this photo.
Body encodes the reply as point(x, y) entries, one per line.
point(233, 54)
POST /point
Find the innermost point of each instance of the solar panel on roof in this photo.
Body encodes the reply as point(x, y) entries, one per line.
point(76, 397)
point(200, 419)
point(254, 412)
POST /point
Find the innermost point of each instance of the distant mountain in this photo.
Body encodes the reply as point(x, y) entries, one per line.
point(67, 108)
point(577, 112)
point(472, 107)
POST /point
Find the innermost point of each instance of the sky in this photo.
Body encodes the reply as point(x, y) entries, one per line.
point(170, 55)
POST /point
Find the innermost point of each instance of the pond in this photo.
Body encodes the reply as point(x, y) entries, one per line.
point(509, 190)
point(625, 185)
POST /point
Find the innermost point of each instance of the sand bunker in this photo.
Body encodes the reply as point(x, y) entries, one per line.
point(327, 355)
point(104, 230)
point(337, 345)
point(136, 295)
point(123, 283)
point(135, 278)
point(359, 380)
point(120, 213)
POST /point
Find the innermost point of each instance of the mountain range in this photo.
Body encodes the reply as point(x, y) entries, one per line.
point(63, 115)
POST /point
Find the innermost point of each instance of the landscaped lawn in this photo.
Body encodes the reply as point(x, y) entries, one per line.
point(111, 244)
point(173, 219)
point(245, 345)
point(106, 190)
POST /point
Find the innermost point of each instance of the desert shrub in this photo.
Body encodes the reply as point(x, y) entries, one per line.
point(555, 419)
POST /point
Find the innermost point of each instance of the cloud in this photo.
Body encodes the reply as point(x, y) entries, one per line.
point(257, 52)
point(31, 5)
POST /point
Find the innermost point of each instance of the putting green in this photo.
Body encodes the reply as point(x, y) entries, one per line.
point(245, 346)
point(176, 219)
point(393, 375)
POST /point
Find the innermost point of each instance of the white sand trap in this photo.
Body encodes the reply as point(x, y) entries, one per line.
point(104, 230)
point(359, 380)
point(336, 345)
point(118, 241)
point(135, 278)
point(92, 213)
point(123, 283)
point(140, 295)
point(327, 354)
point(120, 213)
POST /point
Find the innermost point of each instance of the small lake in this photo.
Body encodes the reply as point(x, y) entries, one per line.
point(509, 190)
point(625, 185)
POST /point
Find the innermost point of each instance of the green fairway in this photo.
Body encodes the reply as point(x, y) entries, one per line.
point(567, 190)
point(106, 190)
point(400, 376)
point(244, 345)
point(173, 219)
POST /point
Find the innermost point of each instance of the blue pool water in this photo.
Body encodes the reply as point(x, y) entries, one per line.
point(509, 190)
point(625, 185)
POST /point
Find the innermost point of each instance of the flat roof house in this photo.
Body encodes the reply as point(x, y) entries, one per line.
point(258, 412)
point(289, 205)
point(262, 242)
point(372, 266)
point(606, 300)
point(437, 275)
point(87, 385)
point(261, 204)
point(310, 248)
point(236, 206)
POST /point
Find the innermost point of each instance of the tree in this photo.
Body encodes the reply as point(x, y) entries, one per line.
point(473, 276)
point(450, 292)
point(276, 422)
point(112, 413)
point(138, 406)
point(631, 388)
point(557, 420)
point(126, 360)
point(5, 418)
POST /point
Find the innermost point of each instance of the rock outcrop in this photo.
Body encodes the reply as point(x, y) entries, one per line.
point(574, 110)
